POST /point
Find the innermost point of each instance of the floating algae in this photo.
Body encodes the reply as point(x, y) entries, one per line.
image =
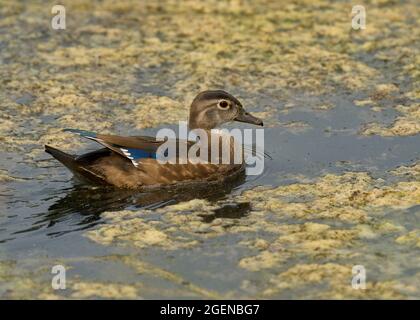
point(346, 197)
point(85, 290)
point(406, 124)
point(312, 239)
point(176, 226)
point(20, 283)
point(354, 200)
point(411, 238)
point(134, 231)
point(337, 279)
point(143, 267)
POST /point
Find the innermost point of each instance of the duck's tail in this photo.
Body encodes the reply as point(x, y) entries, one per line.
point(79, 170)
point(67, 159)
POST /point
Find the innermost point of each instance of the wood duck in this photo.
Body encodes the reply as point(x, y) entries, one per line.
point(130, 162)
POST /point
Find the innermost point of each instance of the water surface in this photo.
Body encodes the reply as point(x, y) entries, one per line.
point(342, 187)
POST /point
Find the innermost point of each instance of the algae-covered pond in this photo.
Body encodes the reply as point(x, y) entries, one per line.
point(342, 115)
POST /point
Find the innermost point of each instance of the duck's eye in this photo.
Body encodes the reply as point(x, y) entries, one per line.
point(223, 104)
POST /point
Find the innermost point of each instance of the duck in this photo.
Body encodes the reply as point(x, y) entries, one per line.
point(131, 162)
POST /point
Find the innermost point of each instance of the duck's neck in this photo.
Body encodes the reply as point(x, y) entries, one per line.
point(225, 140)
point(196, 121)
point(194, 125)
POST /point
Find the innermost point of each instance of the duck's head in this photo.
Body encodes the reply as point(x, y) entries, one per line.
point(212, 108)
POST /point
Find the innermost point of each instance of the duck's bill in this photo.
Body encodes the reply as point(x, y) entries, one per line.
point(249, 118)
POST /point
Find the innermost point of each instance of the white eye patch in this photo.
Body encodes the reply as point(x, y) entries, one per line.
point(223, 104)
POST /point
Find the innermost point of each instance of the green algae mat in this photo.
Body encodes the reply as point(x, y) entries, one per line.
point(341, 188)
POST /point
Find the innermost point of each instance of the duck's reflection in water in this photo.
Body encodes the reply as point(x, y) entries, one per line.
point(81, 208)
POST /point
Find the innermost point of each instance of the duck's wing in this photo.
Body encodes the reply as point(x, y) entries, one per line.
point(134, 148)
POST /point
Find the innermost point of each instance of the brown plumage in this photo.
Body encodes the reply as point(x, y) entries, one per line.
point(130, 162)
